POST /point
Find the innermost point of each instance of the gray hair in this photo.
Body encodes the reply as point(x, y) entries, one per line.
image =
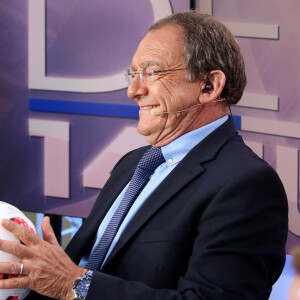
point(209, 45)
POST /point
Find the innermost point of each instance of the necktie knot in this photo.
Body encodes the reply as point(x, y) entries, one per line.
point(151, 159)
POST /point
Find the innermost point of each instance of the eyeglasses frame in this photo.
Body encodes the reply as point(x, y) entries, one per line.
point(130, 72)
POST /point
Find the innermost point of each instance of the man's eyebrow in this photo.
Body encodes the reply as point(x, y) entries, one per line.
point(146, 64)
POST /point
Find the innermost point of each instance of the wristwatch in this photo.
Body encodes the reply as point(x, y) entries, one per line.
point(81, 285)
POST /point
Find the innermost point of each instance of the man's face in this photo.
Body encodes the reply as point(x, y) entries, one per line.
point(163, 49)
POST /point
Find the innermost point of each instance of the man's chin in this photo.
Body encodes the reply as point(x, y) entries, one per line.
point(143, 130)
point(147, 133)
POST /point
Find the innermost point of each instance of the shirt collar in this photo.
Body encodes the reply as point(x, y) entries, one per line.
point(176, 150)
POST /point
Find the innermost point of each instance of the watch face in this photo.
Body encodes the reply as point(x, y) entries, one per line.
point(83, 287)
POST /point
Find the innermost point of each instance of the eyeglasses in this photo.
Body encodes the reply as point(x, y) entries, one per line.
point(146, 77)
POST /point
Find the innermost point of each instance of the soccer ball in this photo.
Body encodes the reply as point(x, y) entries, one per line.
point(8, 211)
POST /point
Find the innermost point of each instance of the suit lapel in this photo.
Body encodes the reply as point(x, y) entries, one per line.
point(83, 241)
point(189, 168)
point(114, 187)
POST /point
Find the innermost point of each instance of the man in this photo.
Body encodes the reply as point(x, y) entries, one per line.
point(211, 223)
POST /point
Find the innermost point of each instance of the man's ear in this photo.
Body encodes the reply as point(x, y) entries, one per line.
point(212, 86)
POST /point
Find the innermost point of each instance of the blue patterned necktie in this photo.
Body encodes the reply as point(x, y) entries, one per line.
point(148, 163)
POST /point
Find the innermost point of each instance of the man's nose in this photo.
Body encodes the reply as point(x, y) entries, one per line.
point(136, 88)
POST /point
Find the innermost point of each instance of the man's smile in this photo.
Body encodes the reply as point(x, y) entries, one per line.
point(148, 107)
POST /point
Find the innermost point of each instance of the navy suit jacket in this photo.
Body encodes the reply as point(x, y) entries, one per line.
point(215, 228)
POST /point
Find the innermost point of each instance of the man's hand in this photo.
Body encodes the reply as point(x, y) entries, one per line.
point(48, 270)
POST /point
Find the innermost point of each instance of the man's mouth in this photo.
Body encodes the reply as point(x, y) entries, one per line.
point(149, 107)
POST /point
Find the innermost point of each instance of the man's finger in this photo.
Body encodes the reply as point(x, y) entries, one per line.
point(16, 249)
point(48, 233)
point(15, 283)
point(12, 268)
point(27, 236)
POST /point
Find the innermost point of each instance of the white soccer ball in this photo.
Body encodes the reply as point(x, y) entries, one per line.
point(8, 211)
